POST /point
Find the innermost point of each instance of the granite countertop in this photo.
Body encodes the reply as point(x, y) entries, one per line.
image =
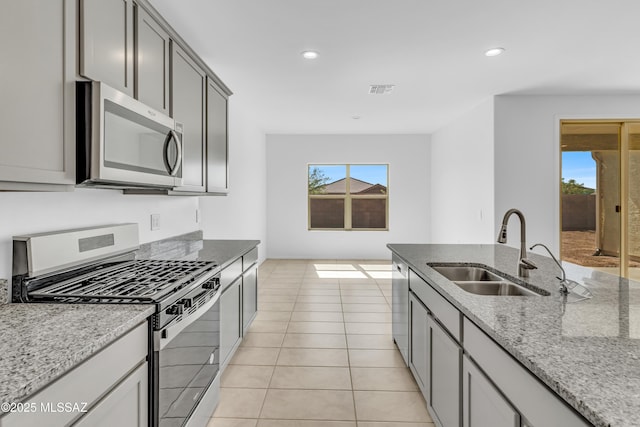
point(588, 352)
point(4, 291)
point(224, 252)
point(40, 342)
point(193, 247)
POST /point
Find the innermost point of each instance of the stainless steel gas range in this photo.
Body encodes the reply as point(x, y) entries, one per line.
point(98, 266)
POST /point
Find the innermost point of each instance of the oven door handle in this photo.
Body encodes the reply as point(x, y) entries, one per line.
point(164, 336)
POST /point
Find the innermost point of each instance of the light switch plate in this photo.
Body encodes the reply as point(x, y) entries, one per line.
point(155, 222)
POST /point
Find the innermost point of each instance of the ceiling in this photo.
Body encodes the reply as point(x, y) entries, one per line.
point(432, 50)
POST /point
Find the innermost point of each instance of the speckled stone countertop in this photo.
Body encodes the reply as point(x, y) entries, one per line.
point(4, 291)
point(588, 352)
point(192, 247)
point(225, 251)
point(40, 342)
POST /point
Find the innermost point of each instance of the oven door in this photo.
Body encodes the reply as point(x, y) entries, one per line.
point(186, 359)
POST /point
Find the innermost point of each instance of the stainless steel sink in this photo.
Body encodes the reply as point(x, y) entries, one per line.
point(503, 288)
point(480, 281)
point(465, 273)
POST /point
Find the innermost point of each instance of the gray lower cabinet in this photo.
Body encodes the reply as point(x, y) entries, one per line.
point(126, 405)
point(106, 42)
point(482, 404)
point(151, 61)
point(249, 296)
point(38, 86)
point(445, 360)
point(536, 404)
point(188, 83)
point(230, 320)
point(399, 302)
point(419, 344)
point(217, 140)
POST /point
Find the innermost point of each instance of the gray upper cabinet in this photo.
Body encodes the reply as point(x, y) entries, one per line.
point(38, 87)
point(152, 49)
point(106, 42)
point(188, 83)
point(217, 140)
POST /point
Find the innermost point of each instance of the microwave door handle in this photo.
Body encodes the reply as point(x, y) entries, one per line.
point(172, 136)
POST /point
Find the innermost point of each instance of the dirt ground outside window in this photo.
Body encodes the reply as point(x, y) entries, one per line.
point(578, 247)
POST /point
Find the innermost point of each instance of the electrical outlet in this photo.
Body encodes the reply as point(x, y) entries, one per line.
point(155, 222)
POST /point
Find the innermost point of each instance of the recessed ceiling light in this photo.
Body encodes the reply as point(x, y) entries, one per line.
point(355, 117)
point(309, 54)
point(494, 51)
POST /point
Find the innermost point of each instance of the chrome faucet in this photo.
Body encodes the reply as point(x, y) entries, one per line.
point(524, 265)
point(563, 280)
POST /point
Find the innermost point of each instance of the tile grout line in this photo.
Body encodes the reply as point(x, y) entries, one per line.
point(353, 394)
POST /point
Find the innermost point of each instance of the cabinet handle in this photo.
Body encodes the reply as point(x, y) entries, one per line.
point(173, 136)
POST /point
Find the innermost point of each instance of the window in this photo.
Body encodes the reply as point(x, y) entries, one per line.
point(348, 197)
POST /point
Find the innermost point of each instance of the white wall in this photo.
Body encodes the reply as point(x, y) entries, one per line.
point(241, 214)
point(287, 159)
point(527, 155)
point(26, 213)
point(462, 201)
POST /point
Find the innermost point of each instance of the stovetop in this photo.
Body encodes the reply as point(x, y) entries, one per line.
point(136, 281)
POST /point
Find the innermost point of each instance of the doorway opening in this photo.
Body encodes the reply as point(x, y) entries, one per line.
point(600, 195)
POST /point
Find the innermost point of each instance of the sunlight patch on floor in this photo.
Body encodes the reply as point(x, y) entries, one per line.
point(341, 275)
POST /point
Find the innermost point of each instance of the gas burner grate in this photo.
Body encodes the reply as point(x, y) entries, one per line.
point(140, 281)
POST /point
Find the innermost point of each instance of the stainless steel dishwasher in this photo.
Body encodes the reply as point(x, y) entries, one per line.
point(400, 306)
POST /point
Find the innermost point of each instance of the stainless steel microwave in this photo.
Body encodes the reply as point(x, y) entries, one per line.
point(122, 143)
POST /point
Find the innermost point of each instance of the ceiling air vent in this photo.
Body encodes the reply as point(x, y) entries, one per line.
point(380, 89)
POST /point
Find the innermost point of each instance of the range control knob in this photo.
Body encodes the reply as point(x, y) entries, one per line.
point(175, 309)
point(214, 283)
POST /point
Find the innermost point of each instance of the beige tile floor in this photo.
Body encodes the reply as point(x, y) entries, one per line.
point(320, 352)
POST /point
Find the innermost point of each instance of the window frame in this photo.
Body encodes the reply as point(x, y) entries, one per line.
point(348, 198)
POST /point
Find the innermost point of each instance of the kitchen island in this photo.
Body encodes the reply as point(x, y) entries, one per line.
point(587, 352)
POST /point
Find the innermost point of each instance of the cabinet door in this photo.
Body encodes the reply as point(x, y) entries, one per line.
point(38, 93)
point(106, 42)
point(217, 140)
point(482, 403)
point(419, 344)
point(187, 107)
point(400, 306)
point(230, 320)
point(249, 296)
point(151, 62)
point(125, 405)
point(444, 374)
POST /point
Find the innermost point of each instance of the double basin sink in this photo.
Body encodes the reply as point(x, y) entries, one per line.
point(478, 280)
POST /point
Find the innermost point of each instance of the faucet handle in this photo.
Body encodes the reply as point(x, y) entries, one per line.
point(529, 265)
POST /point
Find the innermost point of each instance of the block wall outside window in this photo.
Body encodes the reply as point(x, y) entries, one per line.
point(348, 197)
